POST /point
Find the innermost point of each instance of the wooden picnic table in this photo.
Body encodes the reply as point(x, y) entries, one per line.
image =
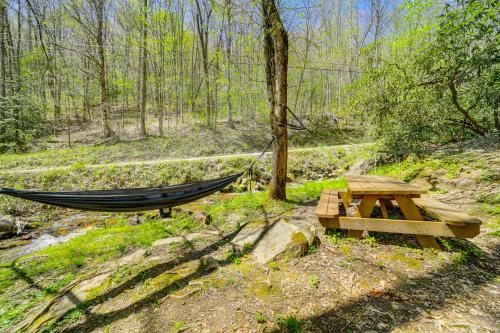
point(371, 189)
point(386, 190)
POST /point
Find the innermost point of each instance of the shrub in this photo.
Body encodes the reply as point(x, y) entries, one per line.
point(21, 121)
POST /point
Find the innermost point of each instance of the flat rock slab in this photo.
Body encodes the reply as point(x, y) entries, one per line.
point(188, 237)
point(271, 240)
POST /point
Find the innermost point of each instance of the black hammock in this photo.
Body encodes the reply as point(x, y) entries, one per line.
point(137, 199)
point(127, 200)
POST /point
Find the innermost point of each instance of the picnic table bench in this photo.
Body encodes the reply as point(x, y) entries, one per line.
point(385, 190)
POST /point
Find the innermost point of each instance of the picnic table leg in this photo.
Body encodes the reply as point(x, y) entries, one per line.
point(411, 212)
point(388, 203)
point(383, 208)
point(365, 209)
point(346, 199)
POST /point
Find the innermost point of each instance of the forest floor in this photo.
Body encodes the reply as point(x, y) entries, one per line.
point(381, 283)
point(186, 141)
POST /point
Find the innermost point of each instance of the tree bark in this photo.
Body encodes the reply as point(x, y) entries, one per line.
point(276, 56)
point(202, 21)
point(229, 39)
point(143, 68)
point(106, 122)
point(86, 90)
point(3, 51)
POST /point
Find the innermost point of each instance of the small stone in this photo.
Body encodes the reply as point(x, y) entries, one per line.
point(6, 223)
point(203, 218)
point(382, 325)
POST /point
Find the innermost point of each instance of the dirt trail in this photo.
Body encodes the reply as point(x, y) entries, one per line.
point(157, 161)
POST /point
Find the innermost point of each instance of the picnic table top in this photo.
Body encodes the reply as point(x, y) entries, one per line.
point(359, 185)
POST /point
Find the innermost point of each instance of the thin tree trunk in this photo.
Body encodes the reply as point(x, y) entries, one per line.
point(202, 21)
point(18, 47)
point(143, 69)
point(106, 122)
point(3, 50)
point(229, 39)
point(86, 92)
point(181, 57)
point(30, 31)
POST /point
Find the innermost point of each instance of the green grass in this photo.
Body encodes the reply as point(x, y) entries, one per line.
point(313, 281)
point(288, 324)
point(411, 168)
point(75, 256)
point(312, 190)
point(64, 262)
point(198, 142)
point(12, 310)
point(177, 326)
point(303, 165)
point(102, 244)
point(259, 317)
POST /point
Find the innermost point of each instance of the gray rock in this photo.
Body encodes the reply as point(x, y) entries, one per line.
point(361, 167)
point(188, 237)
point(6, 223)
point(203, 218)
point(276, 239)
point(259, 187)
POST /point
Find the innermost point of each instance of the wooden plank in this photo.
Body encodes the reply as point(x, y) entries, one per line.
point(385, 196)
point(444, 212)
point(333, 204)
point(328, 205)
point(420, 228)
point(346, 199)
point(380, 185)
point(365, 209)
point(411, 212)
point(322, 207)
point(366, 205)
point(329, 223)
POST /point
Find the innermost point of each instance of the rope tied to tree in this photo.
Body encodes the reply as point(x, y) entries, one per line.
point(300, 127)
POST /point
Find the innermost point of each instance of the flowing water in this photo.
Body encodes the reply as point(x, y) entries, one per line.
point(59, 230)
point(65, 227)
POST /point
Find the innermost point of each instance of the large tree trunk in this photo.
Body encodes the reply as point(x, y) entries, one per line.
point(143, 69)
point(276, 55)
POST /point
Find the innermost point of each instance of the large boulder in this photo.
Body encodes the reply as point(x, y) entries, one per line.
point(6, 223)
point(271, 240)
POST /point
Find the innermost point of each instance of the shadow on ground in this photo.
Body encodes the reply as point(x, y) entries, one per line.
point(206, 267)
point(368, 312)
point(390, 309)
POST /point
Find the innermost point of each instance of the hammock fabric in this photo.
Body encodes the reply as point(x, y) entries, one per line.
point(137, 199)
point(127, 200)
